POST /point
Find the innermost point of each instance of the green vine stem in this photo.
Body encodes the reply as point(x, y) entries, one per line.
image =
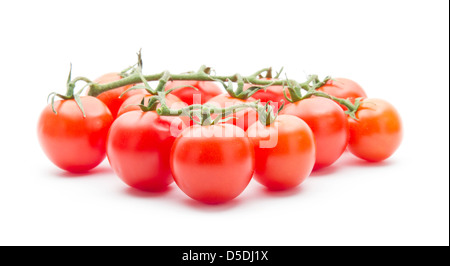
point(201, 75)
point(133, 75)
point(204, 111)
point(266, 113)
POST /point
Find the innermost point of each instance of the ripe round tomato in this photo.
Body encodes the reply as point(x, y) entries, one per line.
point(206, 90)
point(284, 152)
point(343, 88)
point(138, 149)
point(212, 164)
point(272, 93)
point(328, 124)
point(131, 104)
point(377, 133)
point(242, 119)
point(73, 142)
point(111, 97)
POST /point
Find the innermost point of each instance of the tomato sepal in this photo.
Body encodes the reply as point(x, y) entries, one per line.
point(70, 85)
point(352, 113)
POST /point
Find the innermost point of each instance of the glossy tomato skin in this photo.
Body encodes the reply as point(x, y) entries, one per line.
point(284, 152)
point(345, 89)
point(329, 125)
point(72, 142)
point(242, 119)
point(138, 149)
point(377, 133)
point(111, 97)
point(272, 93)
point(212, 164)
point(205, 90)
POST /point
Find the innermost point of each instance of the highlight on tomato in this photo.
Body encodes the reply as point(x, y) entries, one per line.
point(212, 164)
point(328, 123)
point(74, 139)
point(377, 131)
point(284, 152)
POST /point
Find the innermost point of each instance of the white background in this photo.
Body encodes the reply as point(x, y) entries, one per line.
point(397, 50)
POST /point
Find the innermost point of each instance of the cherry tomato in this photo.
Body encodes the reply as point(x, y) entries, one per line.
point(138, 149)
point(212, 164)
point(284, 152)
point(205, 90)
point(377, 132)
point(328, 123)
point(131, 104)
point(73, 142)
point(243, 118)
point(343, 88)
point(111, 97)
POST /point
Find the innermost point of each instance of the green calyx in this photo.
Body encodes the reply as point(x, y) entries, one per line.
point(70, 94)
point(295, 89)
point(239, 92)
point(352, 108)
point(266, 114)
point(151, 105)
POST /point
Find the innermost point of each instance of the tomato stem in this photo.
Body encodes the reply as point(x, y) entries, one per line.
point(70, 93)
point(204, 111)
point(133, 75)
point(201, 75)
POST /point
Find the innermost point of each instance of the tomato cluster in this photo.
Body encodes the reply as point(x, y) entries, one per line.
point(214, 162)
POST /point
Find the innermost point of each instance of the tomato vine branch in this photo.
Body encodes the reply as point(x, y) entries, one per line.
point(201, 75)
point(133, 75)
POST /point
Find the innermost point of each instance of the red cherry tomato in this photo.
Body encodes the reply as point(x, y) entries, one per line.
point(284, 152)
point(272, 93)
point(328, 123)
point(205, 90)
point(343, 88)
point(212, 164)
point(138, 149)
point(242, 119)
point(111, 97)
point(73, 142)
point(377, 133)
point(131, 104)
